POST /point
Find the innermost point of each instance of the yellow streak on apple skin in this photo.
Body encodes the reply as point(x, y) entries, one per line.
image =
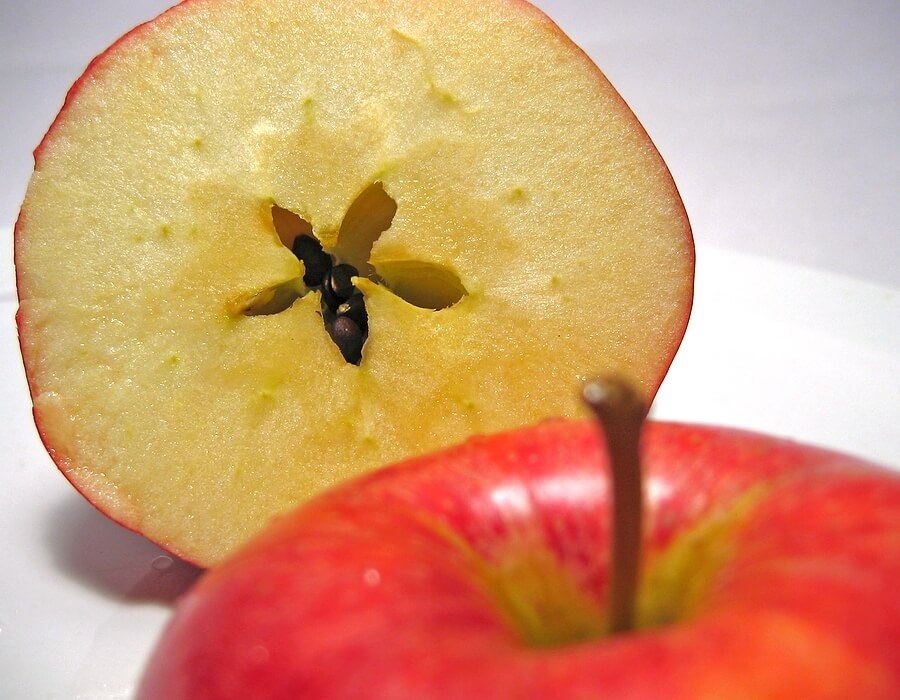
point(548, 606)
point(675, 582)
point(545, 599)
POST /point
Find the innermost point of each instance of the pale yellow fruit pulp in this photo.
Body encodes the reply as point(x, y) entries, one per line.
point(511, 161)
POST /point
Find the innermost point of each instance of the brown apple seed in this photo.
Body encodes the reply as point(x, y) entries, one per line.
point(338, 285)
point(349, 338)
point(316, 261)
point(355, 308)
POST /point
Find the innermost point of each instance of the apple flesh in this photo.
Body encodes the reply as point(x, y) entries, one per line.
point(770, 571)
point(513, 228)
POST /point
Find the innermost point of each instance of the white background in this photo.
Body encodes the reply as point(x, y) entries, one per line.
point(780, 124)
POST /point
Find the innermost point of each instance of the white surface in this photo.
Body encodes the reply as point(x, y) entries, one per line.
point(790, 351)
point(779, 122)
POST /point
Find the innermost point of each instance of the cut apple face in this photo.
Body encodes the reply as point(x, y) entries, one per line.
point(269, 245)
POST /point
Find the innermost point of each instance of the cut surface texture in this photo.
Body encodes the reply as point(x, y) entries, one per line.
point(516, 171)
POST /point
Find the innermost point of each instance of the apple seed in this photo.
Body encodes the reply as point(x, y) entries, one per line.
point(343, 306)
point(316, 261)
point(338, 285)
point(355, 308)
point(349, 338)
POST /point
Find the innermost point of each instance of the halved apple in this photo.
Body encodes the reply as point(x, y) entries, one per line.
point(185, 301)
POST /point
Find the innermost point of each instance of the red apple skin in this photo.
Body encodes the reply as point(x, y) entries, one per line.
point(379, 589)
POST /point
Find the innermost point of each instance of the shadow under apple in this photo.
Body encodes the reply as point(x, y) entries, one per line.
point(93, 550)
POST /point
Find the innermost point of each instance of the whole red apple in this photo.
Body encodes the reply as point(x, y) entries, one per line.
point(770, 570)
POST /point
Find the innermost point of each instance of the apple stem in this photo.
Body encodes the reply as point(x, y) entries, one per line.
point(620, 410)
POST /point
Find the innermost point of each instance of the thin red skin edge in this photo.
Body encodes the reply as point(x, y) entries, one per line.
point(749, 459)
point(96, 64)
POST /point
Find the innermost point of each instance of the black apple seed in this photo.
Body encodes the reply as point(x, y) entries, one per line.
point(355, 308)
point(316, 261)
point(348, 337)
point(338, 284)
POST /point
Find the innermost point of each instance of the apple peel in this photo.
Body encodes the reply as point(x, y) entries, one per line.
point(398, 584)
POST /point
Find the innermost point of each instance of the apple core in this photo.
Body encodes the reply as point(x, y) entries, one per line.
point(422, 284)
